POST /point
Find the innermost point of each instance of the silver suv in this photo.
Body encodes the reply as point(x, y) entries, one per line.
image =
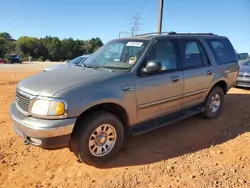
point(130, 85)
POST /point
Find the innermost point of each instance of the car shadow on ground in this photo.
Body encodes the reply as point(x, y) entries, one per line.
point(187, 136)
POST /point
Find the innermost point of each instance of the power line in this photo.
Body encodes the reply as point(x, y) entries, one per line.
point(131, 9)
point(143, 7)
point(126, 33)
point(147, 16)
point(135, 28)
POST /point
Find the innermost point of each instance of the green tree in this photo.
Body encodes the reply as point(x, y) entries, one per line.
point(48, 47)
point(6, 35)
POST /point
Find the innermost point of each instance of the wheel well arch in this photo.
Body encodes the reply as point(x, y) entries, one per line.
point(113, 108)
point(223, 85)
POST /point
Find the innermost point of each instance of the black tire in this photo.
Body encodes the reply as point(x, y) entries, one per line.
point(87, 127)
point(208, 113)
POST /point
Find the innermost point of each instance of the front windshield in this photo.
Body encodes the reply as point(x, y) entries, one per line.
point(243, 56)
point(77, 60)
point(118, 54)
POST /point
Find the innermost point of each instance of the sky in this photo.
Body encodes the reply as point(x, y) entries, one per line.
point(83, 19)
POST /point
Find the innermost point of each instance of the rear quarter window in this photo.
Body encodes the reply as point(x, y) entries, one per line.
point(222, 50)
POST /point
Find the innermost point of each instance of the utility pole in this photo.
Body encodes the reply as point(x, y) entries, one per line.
point(160, 15)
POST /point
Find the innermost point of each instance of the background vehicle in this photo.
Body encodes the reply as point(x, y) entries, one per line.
point(75, 62)
point(2, 61)
point(244, 75)
point(243, 57)
point(15, 59)
point(134, 84)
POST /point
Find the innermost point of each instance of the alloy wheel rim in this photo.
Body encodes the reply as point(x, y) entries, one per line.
point(215, 103)
point(102, 140)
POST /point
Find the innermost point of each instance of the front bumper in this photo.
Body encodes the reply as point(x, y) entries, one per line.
point(243, 82)
point(44, 133)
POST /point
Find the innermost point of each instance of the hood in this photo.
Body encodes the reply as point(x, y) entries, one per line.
point(56, 67)
point(244, 69)
point(49, 83)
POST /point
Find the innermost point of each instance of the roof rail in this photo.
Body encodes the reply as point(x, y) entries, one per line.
point(192, 34)
point(174, 33)
point(156, 33)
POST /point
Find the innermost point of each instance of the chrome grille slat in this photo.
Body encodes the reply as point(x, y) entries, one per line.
point(22, 101)
point(23, 104)
point(19, 95)
point(22, 98)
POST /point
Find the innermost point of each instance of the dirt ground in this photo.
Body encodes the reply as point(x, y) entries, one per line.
point(192, 153)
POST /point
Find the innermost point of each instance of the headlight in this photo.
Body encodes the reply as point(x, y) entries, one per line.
point(43, 107)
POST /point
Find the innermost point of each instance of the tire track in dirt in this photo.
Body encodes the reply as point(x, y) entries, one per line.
point(2, 122)
point(8, 83)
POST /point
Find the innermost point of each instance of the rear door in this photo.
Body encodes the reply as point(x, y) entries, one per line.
point(198, 73)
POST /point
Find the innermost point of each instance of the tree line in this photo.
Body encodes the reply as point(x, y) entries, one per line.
point(51, 48)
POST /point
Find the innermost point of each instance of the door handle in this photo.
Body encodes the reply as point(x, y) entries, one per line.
point(210, 73)
point(174, 79)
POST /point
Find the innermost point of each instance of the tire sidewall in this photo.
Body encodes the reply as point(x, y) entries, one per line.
point(104, 118)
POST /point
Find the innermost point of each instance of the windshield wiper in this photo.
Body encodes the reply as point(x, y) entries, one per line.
point(92, 66)
point(119, 68)
point(99, 68)
point(103, 67)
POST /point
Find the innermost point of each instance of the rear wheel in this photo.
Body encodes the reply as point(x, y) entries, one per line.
point(214, 103)
point(99, 139)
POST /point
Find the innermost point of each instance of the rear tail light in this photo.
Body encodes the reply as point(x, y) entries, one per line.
point(238, 70)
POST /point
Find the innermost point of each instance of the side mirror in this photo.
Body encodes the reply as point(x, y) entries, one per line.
point(152, 67)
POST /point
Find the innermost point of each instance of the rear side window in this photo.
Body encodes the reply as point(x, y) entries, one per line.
point(222, 50)
point(193, 56)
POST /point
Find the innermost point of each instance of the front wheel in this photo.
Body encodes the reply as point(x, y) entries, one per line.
point(214, 103)
point(99, 138)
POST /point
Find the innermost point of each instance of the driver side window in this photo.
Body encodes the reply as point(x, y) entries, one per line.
point(165, 53)
point(113, 52)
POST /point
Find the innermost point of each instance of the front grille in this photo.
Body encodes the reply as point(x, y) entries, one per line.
point(242, 83)
point(245, 82)
point(22, 101)
point(244, 75)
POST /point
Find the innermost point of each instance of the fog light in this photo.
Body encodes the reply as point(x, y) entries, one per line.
point(36, 141)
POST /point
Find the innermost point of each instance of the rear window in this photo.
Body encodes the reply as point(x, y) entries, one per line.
point(222, 50)
point(243, 56)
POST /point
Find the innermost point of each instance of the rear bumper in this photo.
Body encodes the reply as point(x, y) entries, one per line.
point(44, 133)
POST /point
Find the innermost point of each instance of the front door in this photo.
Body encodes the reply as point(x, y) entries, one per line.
point(160, 94)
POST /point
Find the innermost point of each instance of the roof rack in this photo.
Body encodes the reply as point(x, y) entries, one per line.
point(192, 34)
point(174, 33)
point(156, 33)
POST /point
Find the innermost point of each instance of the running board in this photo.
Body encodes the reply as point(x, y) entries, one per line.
point(164, 121)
